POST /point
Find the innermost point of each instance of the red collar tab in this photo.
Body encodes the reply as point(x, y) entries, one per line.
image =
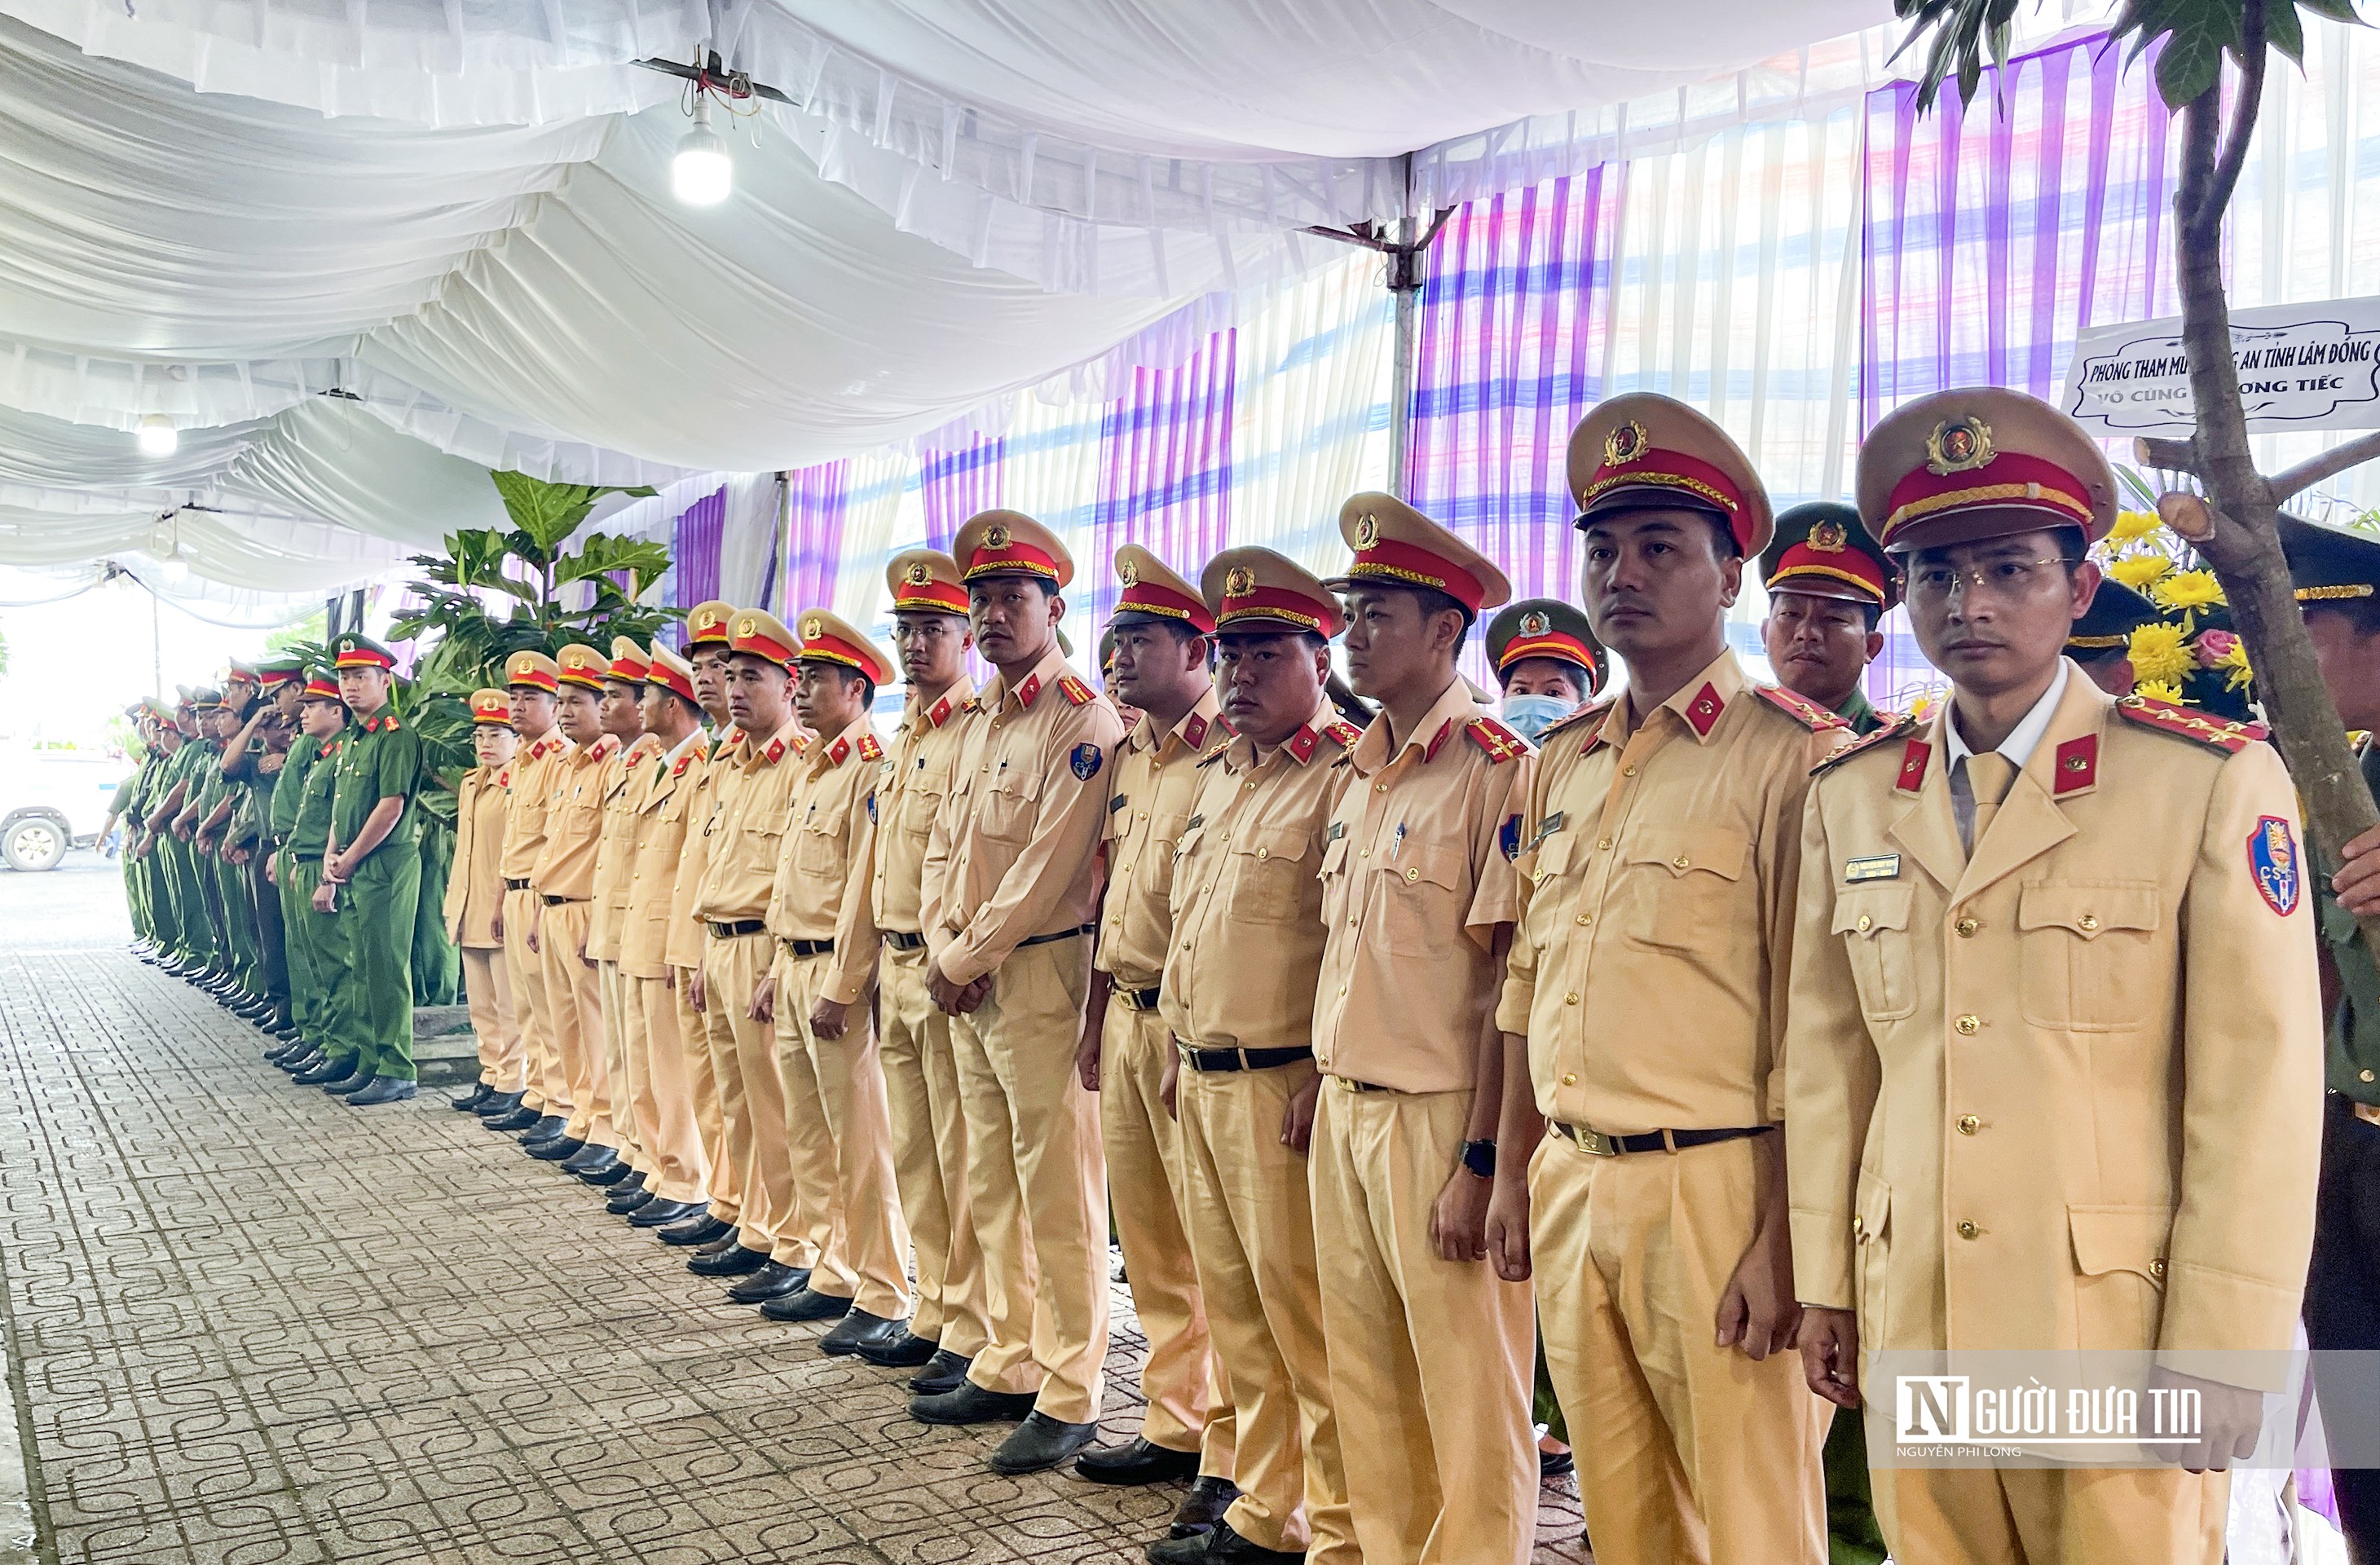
point(869, 750)
point(1500, 743)
point(2078, 766)
point(1913, 766)
point(1704, 709)
point(677, 767)
point(505, 778)
point(837, 752)
point(939, 713)
point(1429, 751)
point(384, 721)
point(1076, 691)
point(601, 750)
point(1302, 742)
point(1029, 690)
point(635, 756)
point(1808, 713)
point(1193, 730)
point(775, 752)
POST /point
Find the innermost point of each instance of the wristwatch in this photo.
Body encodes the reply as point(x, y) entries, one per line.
point(1480, 1157)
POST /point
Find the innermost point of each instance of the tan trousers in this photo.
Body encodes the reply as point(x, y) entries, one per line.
point(575, 1004)
point(661, 1099)
point(754, 1110)
point(2045, 1516)
point(726, 1180)
point(921, 1090)
point(1189, 1408)
point(841, 1137)
point(549, 1083)
point(1431, 1361)
point(1035, 1182)
point(612, 995)
point(1250, 1218)
point(488, 989)
point(1691, 1452)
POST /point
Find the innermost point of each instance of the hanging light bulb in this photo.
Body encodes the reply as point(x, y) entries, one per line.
point(702, 174)
point(156, 435)
point(174, 568)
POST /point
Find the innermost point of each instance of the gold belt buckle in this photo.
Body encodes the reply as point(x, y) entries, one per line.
point(1593, 1142)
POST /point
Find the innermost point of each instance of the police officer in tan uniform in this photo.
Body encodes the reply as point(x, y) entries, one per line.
point(1237, 999)
point(1012, 887)
point(1830, 588)
point(2054, 1063)
point(530, 680)
point(932, 636)
point(1429, 1349)
point(475, 907)
point(1158, 669)
point(1657, 863)
point(624, 781)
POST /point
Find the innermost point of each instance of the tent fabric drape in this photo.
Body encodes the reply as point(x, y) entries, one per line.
point(695, 542)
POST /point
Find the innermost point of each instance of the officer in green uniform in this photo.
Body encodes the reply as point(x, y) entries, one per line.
point(2102, 641)
point(1547, 661)
point(287, 793)
point(124, 807)
point(329, 1052)
point(2337, 577)
point(143, 850)
point(267, 758)
point(192, 947)
point(201, 792)
point(221, 878)
point(1829, 588)
point(372, 872)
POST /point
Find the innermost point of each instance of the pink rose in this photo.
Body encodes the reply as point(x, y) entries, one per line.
point(2213, 647)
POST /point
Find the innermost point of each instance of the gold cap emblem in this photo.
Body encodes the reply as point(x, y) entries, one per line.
point(1239, 581)
point(746, 626)
point(995, 536)
point(1368, 530)
point(1129, 574)
point(1534, 623)
point(812, 628)
point(1828, 538)
point(1958, 445)
point(707, 620)
point(1625, 443)
point(919, 573)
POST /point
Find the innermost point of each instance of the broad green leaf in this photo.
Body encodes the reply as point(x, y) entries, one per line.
point(2192, 62)
point(2284, 31)
point(2337, 10)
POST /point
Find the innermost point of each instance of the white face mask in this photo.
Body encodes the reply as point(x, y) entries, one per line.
point(1530, 716)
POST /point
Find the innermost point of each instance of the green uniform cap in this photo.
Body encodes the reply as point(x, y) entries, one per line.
point(2329, 564)
point(1823, 548)
point(2105, 629)
point(355, 650)
point(1545, 627)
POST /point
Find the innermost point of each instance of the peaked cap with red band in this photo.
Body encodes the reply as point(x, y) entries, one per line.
point(671, 672)
point(1644, 451)
point(1010, 543)
point(756, 633)
point(1397, 546)
point(532, 670)
point(707, 622)
point(1545, 627)
point(926, 580)
point(321, 687)
point(1256, 592)
point(1821, 549)
point(492, 707)
point(628, 660)
point(828, 639)
point(1152, 590)
point(279, 671)
point(584, 666)
point(361, 651)
point(1981, 462)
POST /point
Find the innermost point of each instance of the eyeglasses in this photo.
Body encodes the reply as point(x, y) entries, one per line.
point(2001, 578)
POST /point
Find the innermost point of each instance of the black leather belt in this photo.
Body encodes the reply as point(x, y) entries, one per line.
point(901, 939)
point(305, 857)
point(1059, 935)
point(1207, 1061)
point(1140, 999)
point(557, 902)
point(807, 948)
point(741, 926)
point(511, 885)
point(1595, 1144)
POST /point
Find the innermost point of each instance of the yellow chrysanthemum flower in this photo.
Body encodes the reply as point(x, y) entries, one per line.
point(2139, 571)
point(2155, 691)
point(2160, 656)
point(2132, 527)
point(2187, 590)
point(2235, 662)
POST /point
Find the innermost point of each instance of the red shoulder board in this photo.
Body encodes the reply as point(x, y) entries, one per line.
point(869, 750)
point(2183, 723)
point(1342, 733)
point(1500, 743)
point(1593, 712)
point(1808, 713)
point(1913, 757)
point(1075, 690)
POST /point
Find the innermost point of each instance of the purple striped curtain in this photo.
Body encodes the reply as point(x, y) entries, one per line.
point(696, 538)
point(1164, 473)
point(815, 504)
point(957, 483)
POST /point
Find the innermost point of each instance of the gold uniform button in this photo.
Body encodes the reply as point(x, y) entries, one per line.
point(1969, 1124)
point(1604, 844)
point(2088, 921)
point(1968, 1231)
point(1351, 923)
point(1571, 999)
point(1140, 815)
point(1627, 771)
point(1569, 1080)
point(1586, 918)
point(1865, 923)
point(1967, 1025)
point(1680, 861)
point(1379, 788)
point(2156, 1269)
point(1366, 854)
point(2363, 1075)
point(1410, 876)
point(1859, 1228)
point(1967, 927)
point(1263, 853)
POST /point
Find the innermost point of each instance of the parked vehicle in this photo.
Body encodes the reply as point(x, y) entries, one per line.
point(51, 800)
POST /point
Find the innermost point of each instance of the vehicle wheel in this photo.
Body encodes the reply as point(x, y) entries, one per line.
point(33, 843)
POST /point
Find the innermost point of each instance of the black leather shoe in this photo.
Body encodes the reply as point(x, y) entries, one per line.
point(1040, 1444)
point(734, 1261)
point(859, 1329)
point(362, 1077)
point(632, 1186)
point(299, 1064)
point(970, 1404)
point(774, 1282)
point(545, 1127)
point(696, 1229)
point(1219, 1547)
point(1137, 1461)
point(805, 1304)
point(907, 1350)
point(554, 1149)
point(479, 1094)
point(661, 1214)
point(609, 1176)
point(521, 1117)
point(590, 1158)
point(286, 1050)
point(945, 1372)
point(627, 1196)
point(721, 1245)
point(496, 1105)
point(383, 1089)
point(1202, 1509)
point(330, 1070)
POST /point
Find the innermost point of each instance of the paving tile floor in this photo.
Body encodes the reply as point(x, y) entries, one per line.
point(250, 1325)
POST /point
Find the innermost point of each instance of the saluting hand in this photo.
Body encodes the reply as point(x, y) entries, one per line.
point(2358, 881)
point(1830, 1355)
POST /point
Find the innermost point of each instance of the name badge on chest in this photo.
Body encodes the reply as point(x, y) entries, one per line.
point(1878, 866)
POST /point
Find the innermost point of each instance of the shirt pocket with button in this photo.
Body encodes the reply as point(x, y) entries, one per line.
point(2086, 954)
point(1691, 886)
point(1005, 803)
point(817, 853)
point(1423, 893)
point(1874, 922)
point(1270, 873)
point(1153, 862)
point(921, 794)
point(2118, 1274)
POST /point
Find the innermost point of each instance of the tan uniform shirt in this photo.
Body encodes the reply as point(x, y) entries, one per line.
point(616, 844)
point(748, 829)
point(475, 885)
point(1156, 778)
point(2066, 1092)
point(1014, 851)
point(710, 767)
point(536, 770)
point(1415, 878)
point(663, 795)
point(825, 865)
point(1656, 882)
point(916, 778)
point(574, 824)
point(1246, 902)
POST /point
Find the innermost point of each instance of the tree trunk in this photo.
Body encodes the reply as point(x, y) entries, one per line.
point(2243, 543)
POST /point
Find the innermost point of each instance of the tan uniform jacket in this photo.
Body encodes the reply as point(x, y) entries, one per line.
point(615, 847)
point(825, 861)
point(1658, 873)
point(748, 828)
point(1246, 903)
point(915, 780)
point(536, 770)
point(1416, 874)
point(2067, 1093)
point(574, 824)
point(475, 885)
point(1156, 778)
point(657, 843)
point(710, 767)
point(1015, 850)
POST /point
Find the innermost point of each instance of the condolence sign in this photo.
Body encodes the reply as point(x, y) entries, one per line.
point(2301, 367)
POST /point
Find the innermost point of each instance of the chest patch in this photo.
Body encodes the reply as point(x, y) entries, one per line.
point(2273, 861)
